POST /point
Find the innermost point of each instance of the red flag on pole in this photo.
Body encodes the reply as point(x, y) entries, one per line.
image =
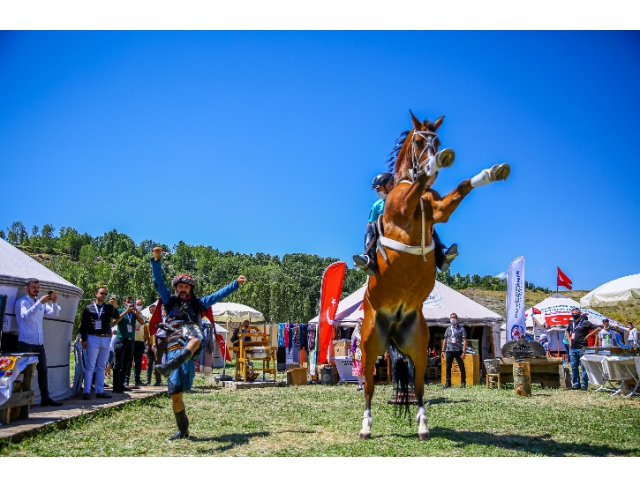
point(563, 280)
point(330, 292)
point(155, 318)
point(535, 311)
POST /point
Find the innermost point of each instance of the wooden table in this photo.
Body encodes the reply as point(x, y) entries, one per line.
point(471, 369)
point(544, 371)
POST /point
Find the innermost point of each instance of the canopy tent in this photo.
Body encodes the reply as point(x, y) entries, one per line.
point(235, 312)
point(15, 268)
point(436, 310)
point(625, 290)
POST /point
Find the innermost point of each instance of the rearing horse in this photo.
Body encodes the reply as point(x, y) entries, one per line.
point(406, 264)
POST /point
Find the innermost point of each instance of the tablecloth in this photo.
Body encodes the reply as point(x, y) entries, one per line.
point(6, 382)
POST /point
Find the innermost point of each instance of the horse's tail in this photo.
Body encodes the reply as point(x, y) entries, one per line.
point(401, 373)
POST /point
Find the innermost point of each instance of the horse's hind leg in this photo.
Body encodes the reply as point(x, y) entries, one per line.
point(418, 350)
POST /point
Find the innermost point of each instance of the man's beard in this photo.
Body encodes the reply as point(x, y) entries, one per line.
point(183, 295)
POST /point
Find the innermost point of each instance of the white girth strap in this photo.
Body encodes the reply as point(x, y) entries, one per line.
point(409, 249)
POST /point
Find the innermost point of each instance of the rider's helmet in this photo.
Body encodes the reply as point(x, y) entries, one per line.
point(186, 279)
point(381, 179)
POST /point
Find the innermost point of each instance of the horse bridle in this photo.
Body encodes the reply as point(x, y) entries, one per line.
point(409, 177)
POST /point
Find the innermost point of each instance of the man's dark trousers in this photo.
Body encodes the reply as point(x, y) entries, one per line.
point(122, 357)
point(449, 358)
point(138, 352)
point(161, 348)
point(41, 367)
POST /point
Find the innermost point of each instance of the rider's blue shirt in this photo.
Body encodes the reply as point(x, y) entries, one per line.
point(376, 210)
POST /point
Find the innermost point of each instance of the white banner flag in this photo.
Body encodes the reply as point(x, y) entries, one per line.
point(515, 300)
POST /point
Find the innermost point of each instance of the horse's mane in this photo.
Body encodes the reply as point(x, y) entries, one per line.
point(393, 155)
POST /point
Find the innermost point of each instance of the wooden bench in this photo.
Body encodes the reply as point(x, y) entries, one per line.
point(544, 371)
point(22, 400)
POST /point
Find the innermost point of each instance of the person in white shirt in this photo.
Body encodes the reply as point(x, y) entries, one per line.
point(30, 311)
point(632, 337)
point(605, 336)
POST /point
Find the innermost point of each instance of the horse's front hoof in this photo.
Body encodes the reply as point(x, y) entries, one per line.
point(365, 436)
point(424, 436)
point(500, 172)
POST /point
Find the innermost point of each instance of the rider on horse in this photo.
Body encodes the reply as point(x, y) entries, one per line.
point(183, 324)
point(383, 184)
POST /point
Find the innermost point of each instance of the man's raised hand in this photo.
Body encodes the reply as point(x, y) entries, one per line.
point(241, 279)
point(157, 253)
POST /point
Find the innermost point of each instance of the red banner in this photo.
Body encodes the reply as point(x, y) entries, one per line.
point(557, 320)
point(330, 292)
point(563, 280)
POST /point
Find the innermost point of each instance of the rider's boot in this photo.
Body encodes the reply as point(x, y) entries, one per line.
point(367, 260)
point(183, 425)
point(175, 362)
point(444, 256)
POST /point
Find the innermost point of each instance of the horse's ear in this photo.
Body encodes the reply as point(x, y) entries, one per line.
point(416, 123)
point(439, 122)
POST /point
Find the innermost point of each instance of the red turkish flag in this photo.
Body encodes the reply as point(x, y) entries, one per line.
point(563, 280)
point(330, 292)
point(557, 319)
point(535, 311)
point(156, 318)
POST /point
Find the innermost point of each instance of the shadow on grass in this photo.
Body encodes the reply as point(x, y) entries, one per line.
point(442, 400)
point(541, 445)
point(232, 440)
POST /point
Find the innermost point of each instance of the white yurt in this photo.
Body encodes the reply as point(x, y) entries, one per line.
point(436, 310)
point(15, 268)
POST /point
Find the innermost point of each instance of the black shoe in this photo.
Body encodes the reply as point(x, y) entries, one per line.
point(178, 436)
point(463, 386)
point(103, 395)
point(576, 388)
point(584, 388)
point(50, 402)
point(126, 389)
point(363, 262)
point(86, 396)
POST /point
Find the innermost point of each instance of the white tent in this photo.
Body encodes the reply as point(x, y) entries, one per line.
point(436, 310)
point(15, 268)
point(554, 316)
point(226, 312)
point(625, 290)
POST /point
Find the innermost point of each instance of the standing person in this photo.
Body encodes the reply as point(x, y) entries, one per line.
point(633, 334)
point(578, 330)
point(114, 335)
point(605, 336)
point(140, 339)
point(356, 356)
point(159, 346)
point(30, 311)
point(184, 333)
point(383, 184)
point(123, 347)
point(95, 330)
point(149, 348)
point(453, 347)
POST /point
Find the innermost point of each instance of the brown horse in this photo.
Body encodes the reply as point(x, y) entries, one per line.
point(406, 264)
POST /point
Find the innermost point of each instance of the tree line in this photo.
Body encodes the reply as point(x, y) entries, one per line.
point(283, 288)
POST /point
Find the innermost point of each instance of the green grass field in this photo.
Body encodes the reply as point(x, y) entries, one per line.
point(325, 421)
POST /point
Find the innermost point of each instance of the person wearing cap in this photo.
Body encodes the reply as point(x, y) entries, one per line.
point(605, 336)
point(30, 311)
point(383, 184)
point(183, 324)
point(577, 332)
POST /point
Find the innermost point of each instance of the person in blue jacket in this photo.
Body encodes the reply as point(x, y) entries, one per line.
point(183, 324)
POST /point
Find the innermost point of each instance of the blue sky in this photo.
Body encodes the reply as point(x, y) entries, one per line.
point(267, 141)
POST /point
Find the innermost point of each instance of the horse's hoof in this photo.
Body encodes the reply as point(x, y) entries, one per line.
point(424, 436)
point(365, 436)
point(500, 172)
point(446, 158)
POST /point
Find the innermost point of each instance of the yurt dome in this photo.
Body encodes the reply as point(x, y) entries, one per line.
point(15, 268)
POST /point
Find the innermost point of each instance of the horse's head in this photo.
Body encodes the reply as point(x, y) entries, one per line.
point(415, 148)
